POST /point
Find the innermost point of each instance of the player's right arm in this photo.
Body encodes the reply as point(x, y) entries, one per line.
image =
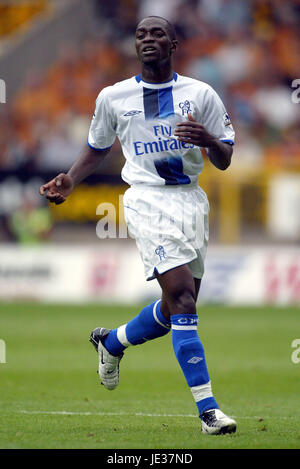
point(58, 189)
point(101, 137)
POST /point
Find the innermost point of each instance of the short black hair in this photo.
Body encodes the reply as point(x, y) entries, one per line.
point(170, 27)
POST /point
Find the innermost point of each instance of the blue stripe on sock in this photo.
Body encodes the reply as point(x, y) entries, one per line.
point(184, 319)
point(144, 326)
point(112, 343)
point(140, 329)
point(206, 404)
point(161, 317)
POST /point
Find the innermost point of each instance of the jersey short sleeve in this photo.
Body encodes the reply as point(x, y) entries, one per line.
point(102, 133)
point(215, 118)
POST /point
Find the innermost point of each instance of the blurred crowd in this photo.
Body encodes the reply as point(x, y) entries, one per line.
point(15, 15)
point(247, 50)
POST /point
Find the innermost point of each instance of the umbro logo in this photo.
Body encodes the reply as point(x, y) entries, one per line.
point(195, 360)
point(132, 113)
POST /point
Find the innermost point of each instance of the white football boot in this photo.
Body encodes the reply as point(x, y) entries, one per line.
point(108, 364)
point(215, 422)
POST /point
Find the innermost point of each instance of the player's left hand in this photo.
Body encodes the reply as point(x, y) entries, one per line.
point(193, 132)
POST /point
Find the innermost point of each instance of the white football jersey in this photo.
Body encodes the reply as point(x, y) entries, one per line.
point(144, 116)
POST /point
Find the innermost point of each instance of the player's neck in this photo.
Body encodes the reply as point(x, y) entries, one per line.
point(154, 73)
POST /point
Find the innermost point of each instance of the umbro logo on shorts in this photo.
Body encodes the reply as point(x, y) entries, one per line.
point(132, 113)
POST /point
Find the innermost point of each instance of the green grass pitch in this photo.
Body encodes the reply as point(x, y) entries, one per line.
point(50, 396)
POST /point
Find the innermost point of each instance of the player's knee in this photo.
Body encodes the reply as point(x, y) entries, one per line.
point(182, 302)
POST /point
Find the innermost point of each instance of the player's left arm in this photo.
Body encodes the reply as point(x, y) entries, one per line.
point(191, 131)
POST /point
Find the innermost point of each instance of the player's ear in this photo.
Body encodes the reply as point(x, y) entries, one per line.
point(174, 45)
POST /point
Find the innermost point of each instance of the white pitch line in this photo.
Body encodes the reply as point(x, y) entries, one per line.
point(120, 414)
point(116, 414)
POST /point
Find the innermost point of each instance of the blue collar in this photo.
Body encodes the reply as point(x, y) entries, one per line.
point(139, 79)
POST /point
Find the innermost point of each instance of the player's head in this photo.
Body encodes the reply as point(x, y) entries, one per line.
point(155, 40)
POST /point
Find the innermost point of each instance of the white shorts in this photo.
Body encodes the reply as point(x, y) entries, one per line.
point(170, 226)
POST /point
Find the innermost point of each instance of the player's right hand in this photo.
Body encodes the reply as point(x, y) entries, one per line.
point(58, 188)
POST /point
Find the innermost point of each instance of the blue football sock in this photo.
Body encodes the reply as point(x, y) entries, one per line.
point(189, 352)
point(147, 325)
